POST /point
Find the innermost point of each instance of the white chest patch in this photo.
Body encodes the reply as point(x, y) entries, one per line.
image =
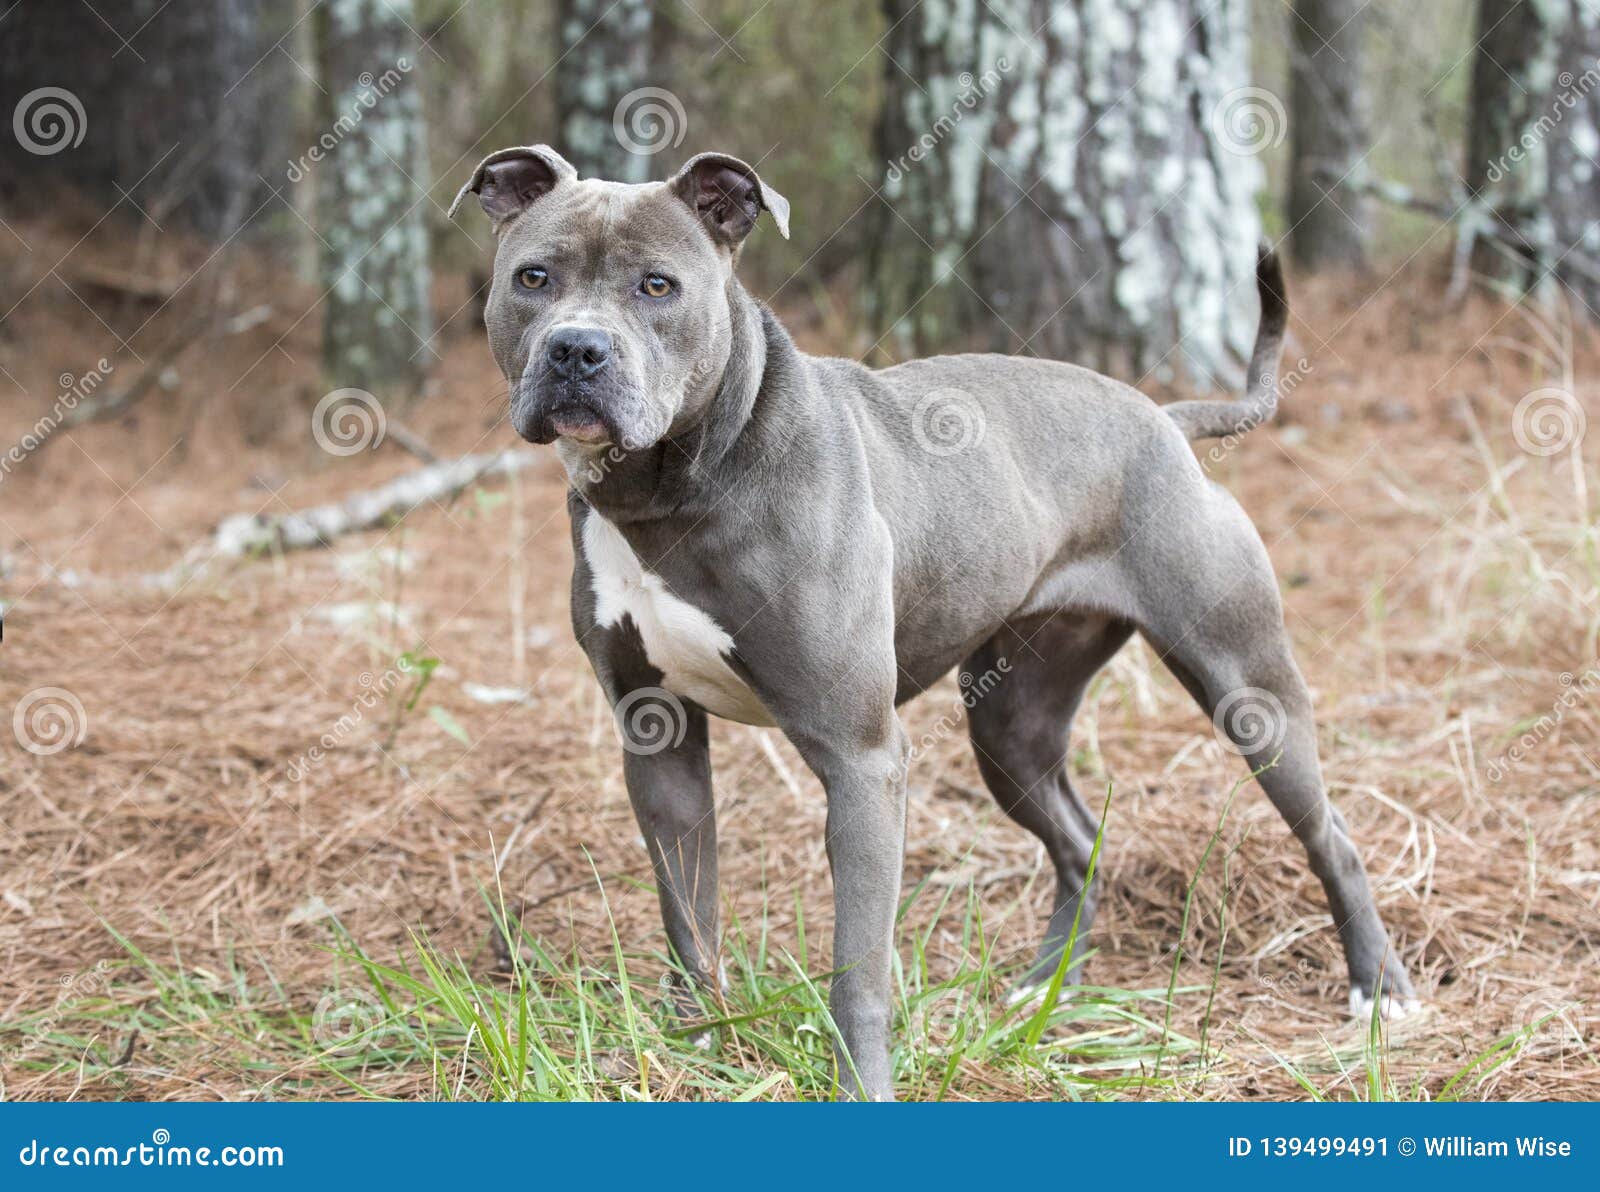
point(682, 642)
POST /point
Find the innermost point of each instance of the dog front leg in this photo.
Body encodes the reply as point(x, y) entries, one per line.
point(866, 845)
point(669, 786)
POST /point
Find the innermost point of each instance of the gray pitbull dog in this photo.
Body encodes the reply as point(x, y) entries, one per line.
point(781, 539)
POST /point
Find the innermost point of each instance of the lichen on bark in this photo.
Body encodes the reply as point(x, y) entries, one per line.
point(605, 58)
point(377, 325)
point(1080, 208)
point(1534, 130)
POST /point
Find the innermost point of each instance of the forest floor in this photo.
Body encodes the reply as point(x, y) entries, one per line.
point(252, 878)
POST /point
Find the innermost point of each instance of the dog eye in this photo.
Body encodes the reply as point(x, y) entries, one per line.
point(655, 286)
point(532, 279)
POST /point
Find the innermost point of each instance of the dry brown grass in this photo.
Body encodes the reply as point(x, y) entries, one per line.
point(1438, 582)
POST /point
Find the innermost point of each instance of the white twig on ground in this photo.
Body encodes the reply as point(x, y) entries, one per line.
point(244, 533)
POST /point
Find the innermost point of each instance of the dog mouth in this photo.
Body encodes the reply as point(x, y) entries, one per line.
point(544, 418)
point(581, 426)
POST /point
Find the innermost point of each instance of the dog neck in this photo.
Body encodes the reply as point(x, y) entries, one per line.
point(745, 423)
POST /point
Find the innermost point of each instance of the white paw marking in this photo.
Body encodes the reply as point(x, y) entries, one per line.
point(1024, 993)
point(1021, 994)
point(681, 641)
point(1393, 1009)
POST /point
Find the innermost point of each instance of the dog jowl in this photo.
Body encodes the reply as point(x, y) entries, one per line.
point(775, 538)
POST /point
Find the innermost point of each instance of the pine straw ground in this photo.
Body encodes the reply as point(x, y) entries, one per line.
point(190, 908)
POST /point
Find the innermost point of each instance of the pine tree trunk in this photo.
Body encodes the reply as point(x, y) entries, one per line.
point(1533, 140)
point(377, 326)
point(1513, 73)
point(612, 122)
point(189, 147)
point(1086, 191)
point(1328, 223)
point(1574, 196)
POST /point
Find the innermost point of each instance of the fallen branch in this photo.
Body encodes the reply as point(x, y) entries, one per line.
point(248, 533)
point(109, 405)
point(409, 439)
point(105, 406)
point(1475, 218)
point(1398, 195)
point(128, 283)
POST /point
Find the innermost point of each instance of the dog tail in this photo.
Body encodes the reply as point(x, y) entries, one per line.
point(1219, 419)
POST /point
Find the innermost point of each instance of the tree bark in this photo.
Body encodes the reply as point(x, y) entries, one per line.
point(1327, 216)
point(1513, 71)
point(1533, 140)
point(1073, 179)
point(612, 121)
point(1574, 193)
point(377, 325)
point(189, 147)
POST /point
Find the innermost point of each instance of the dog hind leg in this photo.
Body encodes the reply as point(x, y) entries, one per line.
point(1219, 629)
point(1022, 688)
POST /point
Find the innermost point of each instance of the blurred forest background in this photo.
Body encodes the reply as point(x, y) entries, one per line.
point(1083, 180)
point(302, 737)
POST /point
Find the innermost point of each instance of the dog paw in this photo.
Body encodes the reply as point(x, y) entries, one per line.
point(1019, 995)
point(1033, 993)
point(1393, 1010)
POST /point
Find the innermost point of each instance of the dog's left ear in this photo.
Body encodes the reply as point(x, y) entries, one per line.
point(727, 195)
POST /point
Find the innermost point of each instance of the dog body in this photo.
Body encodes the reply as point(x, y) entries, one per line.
point(804, 542)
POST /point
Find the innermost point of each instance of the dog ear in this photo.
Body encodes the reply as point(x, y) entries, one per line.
point(727, 195)
point(508, 180)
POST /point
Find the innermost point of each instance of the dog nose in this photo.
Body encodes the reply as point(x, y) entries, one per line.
point(577, 353)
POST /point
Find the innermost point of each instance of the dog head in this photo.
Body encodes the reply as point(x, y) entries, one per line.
point(609, 311)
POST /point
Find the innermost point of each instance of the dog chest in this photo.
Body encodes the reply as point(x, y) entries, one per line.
point(681, 641)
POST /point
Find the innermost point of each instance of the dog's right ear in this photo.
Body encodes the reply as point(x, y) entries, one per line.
point(508, 180)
